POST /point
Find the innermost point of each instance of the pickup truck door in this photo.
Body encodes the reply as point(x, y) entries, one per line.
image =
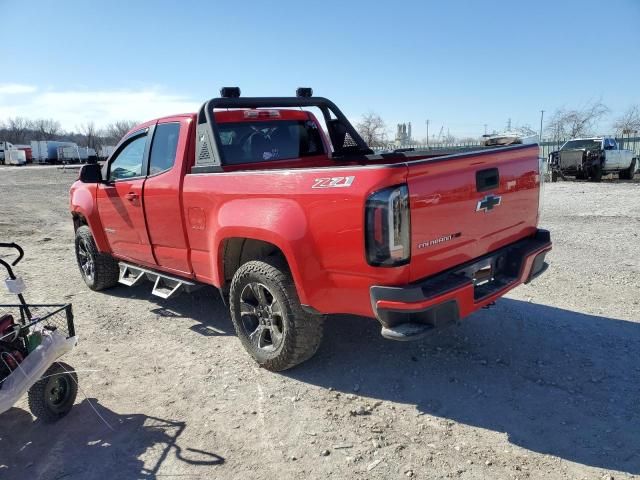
point(626, 157)
point(120, 201)
point(162, 194)
point(611, 153)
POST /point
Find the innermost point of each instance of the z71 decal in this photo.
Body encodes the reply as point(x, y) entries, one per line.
point(333, 182)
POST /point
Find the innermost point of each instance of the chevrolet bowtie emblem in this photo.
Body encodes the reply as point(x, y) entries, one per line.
point(488, 203)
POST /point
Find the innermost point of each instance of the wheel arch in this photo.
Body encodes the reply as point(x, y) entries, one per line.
point(234, 251)
point(84, 212)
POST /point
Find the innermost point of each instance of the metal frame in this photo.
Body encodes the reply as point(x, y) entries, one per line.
point(12, 275)
point(208, 144)
point(27, 320)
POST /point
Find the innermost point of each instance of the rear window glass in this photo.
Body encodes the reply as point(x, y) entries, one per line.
point(267, 141)
point(580, 144)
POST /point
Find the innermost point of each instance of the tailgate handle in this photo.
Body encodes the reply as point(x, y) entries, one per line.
point(487, 179)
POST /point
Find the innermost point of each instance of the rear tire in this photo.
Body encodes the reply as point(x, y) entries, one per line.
point(628, 173)
point(268, 317)
point(52, 397)
point(99, 270)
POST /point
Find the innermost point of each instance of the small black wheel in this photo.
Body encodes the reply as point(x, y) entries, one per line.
point(99, 270)
point(268, 317)
point(53, 396)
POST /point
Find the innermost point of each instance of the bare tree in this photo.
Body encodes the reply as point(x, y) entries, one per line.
point(92, 136)
point(629, 122)
point(576, 123)
point(525, 130)
point(48, 129)
point(372, 129)
point(115, 131)
point(16, 129)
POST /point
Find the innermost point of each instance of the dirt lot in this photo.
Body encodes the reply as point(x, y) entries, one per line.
point(544, 385)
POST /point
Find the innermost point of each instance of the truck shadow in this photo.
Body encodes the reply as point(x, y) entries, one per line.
point(82, 446)
point(555, 381)
point(204, 305)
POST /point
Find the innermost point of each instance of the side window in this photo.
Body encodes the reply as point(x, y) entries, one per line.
point(163, 148)
point(128, 163)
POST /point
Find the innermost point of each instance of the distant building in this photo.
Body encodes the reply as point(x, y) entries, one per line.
point(403, 135)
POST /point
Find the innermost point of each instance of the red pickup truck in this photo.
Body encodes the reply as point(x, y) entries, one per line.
point(293, 219)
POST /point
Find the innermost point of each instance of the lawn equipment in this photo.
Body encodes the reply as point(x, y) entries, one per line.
point(32, 338)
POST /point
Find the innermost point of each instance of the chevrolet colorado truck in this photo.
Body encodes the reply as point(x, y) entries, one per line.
point(293, 219)
point(591, 158)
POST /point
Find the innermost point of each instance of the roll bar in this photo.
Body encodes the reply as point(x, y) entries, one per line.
point(209, 156)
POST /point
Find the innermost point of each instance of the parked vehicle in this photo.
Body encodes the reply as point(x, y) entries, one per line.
point(15, 157)
point(3, 147)
point(27, 152)
point(591, 158)
point(106, 151)
point(46, 151)
point(508, 138)
point(250, 195)
point(76, 154)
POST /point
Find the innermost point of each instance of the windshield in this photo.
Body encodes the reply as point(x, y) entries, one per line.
point(579, 144)
point(263, 141)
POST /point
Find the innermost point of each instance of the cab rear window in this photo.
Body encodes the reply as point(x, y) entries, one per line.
point(268, 141)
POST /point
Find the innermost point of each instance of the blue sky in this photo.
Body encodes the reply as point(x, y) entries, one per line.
point(461, 64)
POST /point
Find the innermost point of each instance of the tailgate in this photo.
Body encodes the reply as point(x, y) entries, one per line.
point(467, 205)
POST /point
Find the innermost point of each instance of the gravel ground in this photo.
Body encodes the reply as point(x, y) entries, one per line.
point(544, 385)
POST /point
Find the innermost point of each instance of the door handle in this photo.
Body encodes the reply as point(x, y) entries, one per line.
point(131, 196)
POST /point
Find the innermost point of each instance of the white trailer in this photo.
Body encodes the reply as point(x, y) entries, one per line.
point(73, 154)
point(15, 157)
point(46, 151)
point(106, 151)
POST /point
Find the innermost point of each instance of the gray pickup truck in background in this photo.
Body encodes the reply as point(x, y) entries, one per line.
point(590, 158)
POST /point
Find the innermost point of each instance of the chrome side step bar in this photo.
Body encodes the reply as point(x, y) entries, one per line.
point(165, 286)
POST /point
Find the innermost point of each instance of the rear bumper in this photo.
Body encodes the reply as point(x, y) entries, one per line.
point(456, 293)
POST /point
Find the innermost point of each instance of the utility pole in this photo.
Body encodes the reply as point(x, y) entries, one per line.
point(509, 125)
point(541, 117)
point(427, 133)
point(485, 128)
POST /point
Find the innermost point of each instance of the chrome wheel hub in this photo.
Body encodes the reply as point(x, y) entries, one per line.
point(261, 316)
point(85, 260)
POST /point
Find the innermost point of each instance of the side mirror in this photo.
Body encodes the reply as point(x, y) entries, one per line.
point(91, 173)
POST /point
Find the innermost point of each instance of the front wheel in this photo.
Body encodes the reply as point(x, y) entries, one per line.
point(53, 396)
point(268, 317)
point(99, 270)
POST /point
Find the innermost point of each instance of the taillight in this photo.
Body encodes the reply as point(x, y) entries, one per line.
point(261, 114)
point(387, 227)
point(543, 168)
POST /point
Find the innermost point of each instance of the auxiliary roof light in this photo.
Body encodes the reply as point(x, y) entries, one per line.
point(304, 92)
point(230, 92)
